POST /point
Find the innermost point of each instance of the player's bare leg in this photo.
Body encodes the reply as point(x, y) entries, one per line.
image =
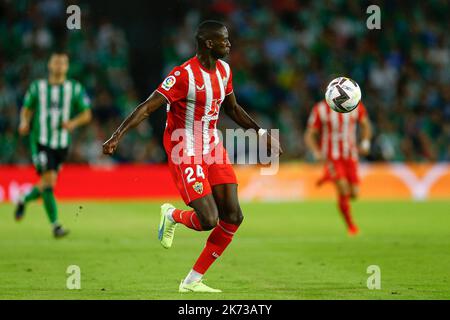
point(227, 201)
point(344, 194)
point(354, 191)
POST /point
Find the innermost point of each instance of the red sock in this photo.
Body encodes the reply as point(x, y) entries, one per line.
point(217, 242)
point(188, 218)
point(344, 206)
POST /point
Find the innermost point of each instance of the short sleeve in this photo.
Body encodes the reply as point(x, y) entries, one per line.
point(31, 95)
point(314, 121)
point(83, 100)
point(229, 88)
point(175, 85)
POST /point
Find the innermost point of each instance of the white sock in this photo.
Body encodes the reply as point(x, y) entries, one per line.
point(169, 214)
point(193, 276)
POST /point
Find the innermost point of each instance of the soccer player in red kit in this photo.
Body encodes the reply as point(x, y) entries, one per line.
point(331, 136)
point(194, 92)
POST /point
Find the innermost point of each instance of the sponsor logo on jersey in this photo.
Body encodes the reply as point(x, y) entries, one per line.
point(213, 112)
point(198, 187)
point(168, 83)
point(200, 88)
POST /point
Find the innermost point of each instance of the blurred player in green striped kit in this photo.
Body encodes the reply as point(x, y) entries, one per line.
point(52, 109)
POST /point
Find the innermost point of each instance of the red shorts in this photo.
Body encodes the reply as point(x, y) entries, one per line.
point(342, 169)
point(195, 178)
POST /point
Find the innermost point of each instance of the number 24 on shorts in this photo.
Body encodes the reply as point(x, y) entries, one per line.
point(189, 172)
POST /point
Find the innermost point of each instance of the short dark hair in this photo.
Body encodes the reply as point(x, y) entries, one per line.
point(207, 28)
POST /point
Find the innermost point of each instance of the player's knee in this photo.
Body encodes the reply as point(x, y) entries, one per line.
point(48, 181)
point(354, 191)
point(208, 218)
point(233, 215)
point(236, 217)
point(207, 213)
point(343, 188)
point(208, 223)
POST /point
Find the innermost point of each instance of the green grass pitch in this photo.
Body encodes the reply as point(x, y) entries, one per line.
point(282, 251)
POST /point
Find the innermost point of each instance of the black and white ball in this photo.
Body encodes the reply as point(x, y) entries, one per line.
point(343, 94)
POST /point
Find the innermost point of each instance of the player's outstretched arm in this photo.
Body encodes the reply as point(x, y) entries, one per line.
point(243, 119)
point(310, 137)
point(366, 135)
point(141, 112)
point(25, 119)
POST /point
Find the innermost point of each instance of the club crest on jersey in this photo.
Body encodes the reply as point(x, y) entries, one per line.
point(198, 187)
point(168, 83)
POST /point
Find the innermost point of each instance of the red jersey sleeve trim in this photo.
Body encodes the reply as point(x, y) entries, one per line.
point(159, 91)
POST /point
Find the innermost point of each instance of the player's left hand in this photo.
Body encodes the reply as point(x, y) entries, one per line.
point(69, 126)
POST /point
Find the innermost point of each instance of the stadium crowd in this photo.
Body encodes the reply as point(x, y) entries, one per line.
point(284, 52)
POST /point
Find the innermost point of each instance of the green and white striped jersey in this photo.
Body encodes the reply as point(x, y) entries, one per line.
point(52, 105)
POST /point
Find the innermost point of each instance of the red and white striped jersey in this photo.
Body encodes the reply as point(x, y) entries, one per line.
point(337, 130)
point(194, 95)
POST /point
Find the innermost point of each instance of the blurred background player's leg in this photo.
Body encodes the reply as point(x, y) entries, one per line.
point(33, 194)
point(47, 164)
point(343, 190)
point(48, 181)
point(36, 190)
point(338, 171)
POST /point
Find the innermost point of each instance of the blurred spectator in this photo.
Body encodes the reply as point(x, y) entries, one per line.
point(98, 53)
point(283, 55)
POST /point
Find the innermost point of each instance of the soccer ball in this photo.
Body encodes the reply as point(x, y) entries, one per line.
point(343, 94)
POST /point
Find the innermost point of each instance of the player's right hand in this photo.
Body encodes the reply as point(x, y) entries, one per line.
point(24, 129)
point(110, 145)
